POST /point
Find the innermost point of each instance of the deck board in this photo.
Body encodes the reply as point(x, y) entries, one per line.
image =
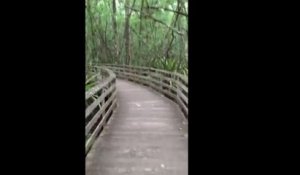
point(147, 134)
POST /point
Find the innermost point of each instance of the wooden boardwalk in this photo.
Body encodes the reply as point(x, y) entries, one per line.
point(146, 135)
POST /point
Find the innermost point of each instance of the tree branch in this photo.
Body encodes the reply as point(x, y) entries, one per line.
point(157, 20)
point(170, 10)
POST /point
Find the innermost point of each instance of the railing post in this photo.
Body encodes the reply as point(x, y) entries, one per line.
point(148, 76)
point(177, 88)
point(161, 81)
point(175, 84)
point(97, 118)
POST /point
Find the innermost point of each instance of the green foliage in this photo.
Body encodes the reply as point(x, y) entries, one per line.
point(89, 86)
point(172, 65)
point(153, 32)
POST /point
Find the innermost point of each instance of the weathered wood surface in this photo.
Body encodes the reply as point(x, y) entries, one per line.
point(100, 103)
point(171, 84)
point(146, 135)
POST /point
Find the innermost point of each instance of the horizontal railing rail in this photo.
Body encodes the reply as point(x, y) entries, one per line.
point(171, 84)
point(100, 104)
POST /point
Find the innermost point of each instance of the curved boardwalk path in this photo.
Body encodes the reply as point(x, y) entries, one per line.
point(147, 135)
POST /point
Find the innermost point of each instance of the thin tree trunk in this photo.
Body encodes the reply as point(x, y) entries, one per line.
point(127, 32)
point(115, 35)
point(147, 16)
point(170, 10)
point(93, 50)
point(167, 55)
point(141, 26)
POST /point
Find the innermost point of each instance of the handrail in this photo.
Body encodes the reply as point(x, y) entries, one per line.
point(171, 84)
point(100, 104)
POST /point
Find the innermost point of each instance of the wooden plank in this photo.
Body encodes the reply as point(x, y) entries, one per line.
point(154, 70)
point(164, 84)
point(181, 104)
point(180, 94)
point(169, 93)
point(96, 88)
point(122, 76)
point(182, 86)
point(158, 71)
point(155, 83)
point(157, 126)
point(111, 77)
point(163, 91)
point(165, 78)
point(98, 114)
point(131, 74)
point(182, 77)
point(142, 80)
point(92, 138)
point(134, 74)
point(158, 74)
point(139, 78)
point(169, 86)
point(162, 71)
point(129, 68)
point(91, 107)
point(135, 69)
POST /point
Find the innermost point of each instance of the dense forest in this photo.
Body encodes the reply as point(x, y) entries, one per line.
point(149, 33)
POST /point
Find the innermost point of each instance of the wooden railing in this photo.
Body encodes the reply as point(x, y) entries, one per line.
point(100, 103)
point(171, 84)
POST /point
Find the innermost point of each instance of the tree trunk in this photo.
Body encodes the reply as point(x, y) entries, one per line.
point(93, 50)
point(115, 35)
point(141, 26)
point(126, 34)
point(166, 54)
point(127, 31)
